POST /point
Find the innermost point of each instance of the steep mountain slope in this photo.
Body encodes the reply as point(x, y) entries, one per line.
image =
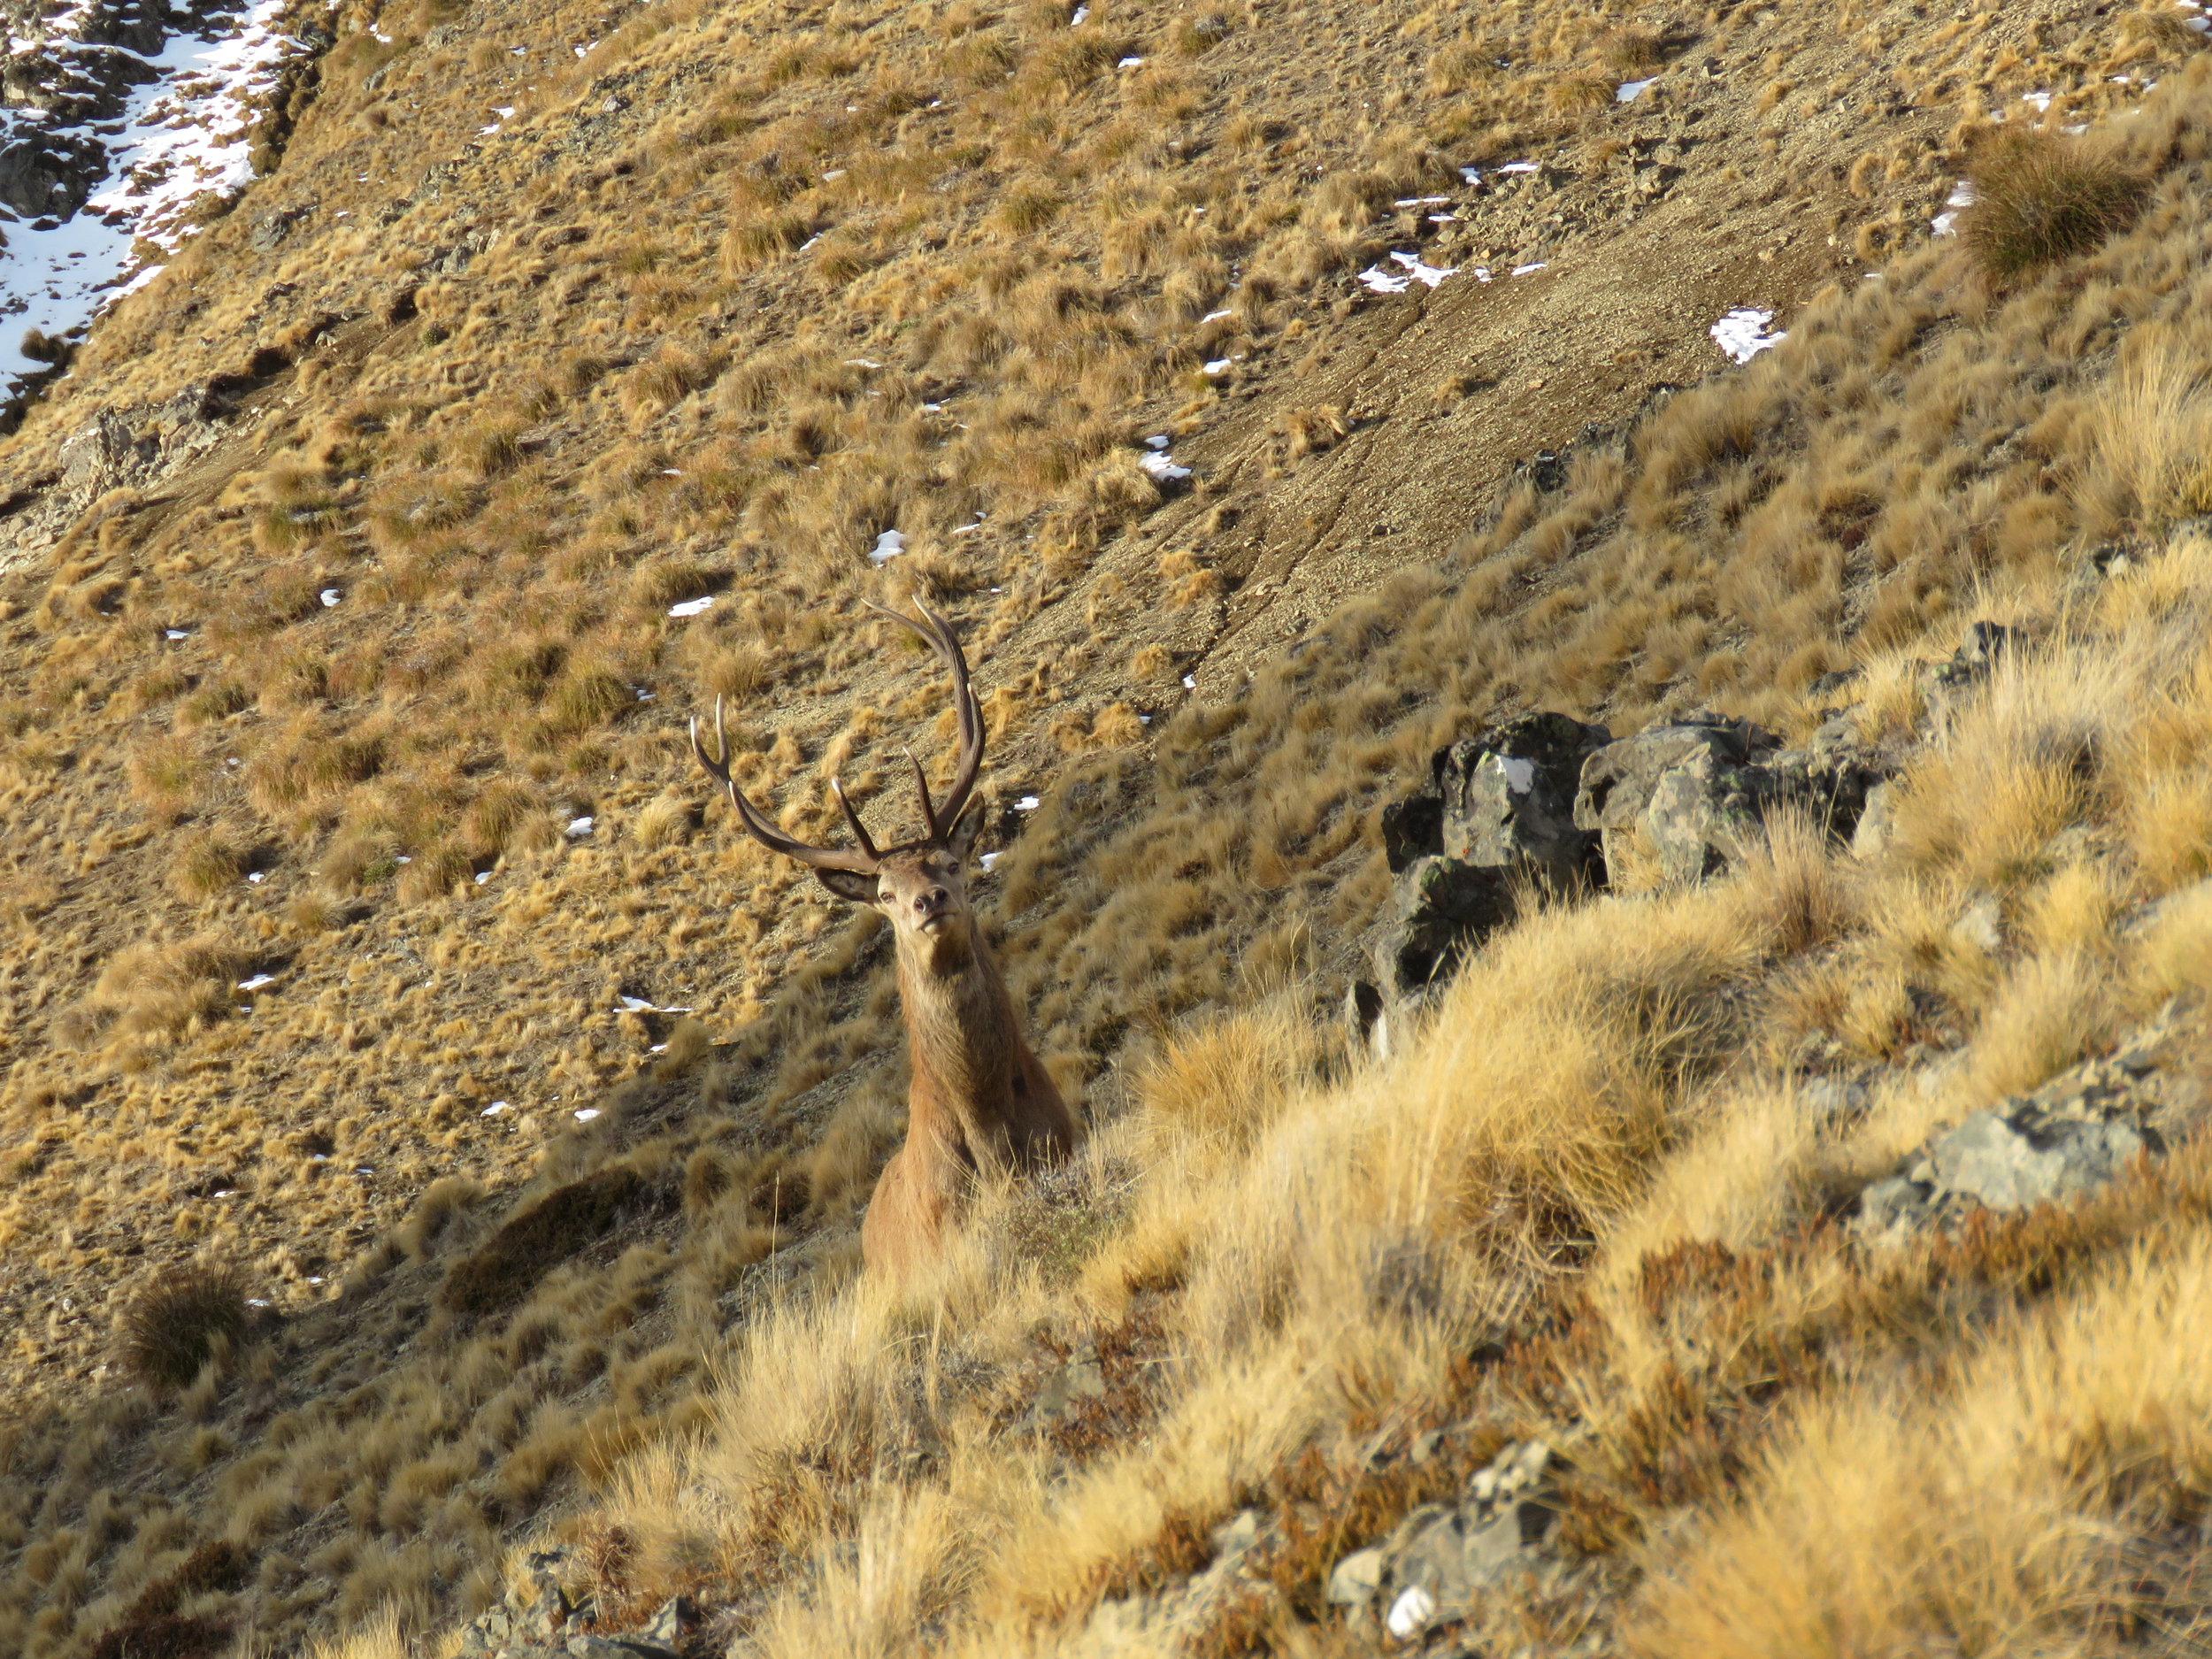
point(351, 609)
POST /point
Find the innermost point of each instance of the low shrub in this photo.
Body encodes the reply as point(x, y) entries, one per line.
point(190, 1316)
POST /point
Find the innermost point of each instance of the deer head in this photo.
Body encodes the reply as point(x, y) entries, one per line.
point(920, 886)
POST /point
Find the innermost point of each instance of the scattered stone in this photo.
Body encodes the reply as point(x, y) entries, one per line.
point(1986, 644)
point(1441, 1557)
point(1080, 1378)
point(1877, 826)
point(2065, 1141)
point(1354, 1581)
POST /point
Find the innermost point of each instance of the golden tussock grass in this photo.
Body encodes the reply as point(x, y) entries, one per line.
point(648, 390)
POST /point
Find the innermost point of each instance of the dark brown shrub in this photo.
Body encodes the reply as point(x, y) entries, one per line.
point(190, 1316)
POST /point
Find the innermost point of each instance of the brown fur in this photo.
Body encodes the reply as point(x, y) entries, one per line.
point(980, 1102)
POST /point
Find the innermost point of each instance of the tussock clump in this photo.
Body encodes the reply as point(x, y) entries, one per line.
point(2040, 199)
point(189, 1318)
point(205, 863)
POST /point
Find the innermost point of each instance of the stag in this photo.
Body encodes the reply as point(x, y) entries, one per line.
point(978, 1101)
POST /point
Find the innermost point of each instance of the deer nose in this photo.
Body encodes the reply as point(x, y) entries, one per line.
point(935, 899)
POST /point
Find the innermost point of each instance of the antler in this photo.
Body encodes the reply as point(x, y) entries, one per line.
point(939, 817)
point(863, 863)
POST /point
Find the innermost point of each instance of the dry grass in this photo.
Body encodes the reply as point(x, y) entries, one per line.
point(2040, 199)
point(647, 391)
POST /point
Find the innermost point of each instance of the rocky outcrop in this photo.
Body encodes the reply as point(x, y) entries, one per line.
point(1692, 790)
point(1497, 815)
point(1509, 800)
point(1544, 801)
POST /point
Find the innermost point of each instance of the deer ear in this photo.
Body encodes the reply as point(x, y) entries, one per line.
point(849, 885)
point(961, 843)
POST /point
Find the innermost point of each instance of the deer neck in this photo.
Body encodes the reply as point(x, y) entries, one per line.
point(960, 1029)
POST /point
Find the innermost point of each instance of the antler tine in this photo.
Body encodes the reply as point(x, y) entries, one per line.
point(968, 714)
point(863, 863)
point(860, 830)
point(921, 789)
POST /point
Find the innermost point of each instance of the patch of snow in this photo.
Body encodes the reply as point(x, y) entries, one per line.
point(500, 112)
point(1473, 176)
point(1215, 317)
point(183, 133)
point(1629, 91)
point(693, 607)
point(1520, 775)
point(1131, 62)
point(1419, 201)
point(494, 1110)
point(581, 825)
point(1409, 1612)
point(1219, 365)
point(482, 875)
point(888, 546)
point(1158, 441)
point(1427, 275)
point(1161, 467)
point(2041, 99)
point(256, 877)
point(1379, 281)
point(1742, 334)
point(176, 633)
point(1028, 804)
point(1190, 682)
point(585, 1114)
point(1082, 15)
point(1528, 270)
point(256, 982)
point(860, 362)
point(2199, 24)
point(988, 860)
point(329, 596)
point(1518, 167)
point(964, 529)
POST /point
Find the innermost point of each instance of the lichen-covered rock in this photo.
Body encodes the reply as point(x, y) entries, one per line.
point(1693, 791)
point(1508, 799)
point(1441, 907)
point(2058, 1144)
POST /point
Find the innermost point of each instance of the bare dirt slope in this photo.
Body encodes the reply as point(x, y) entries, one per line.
point(339, 595)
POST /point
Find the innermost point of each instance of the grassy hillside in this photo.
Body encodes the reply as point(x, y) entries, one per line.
point(337, 594)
